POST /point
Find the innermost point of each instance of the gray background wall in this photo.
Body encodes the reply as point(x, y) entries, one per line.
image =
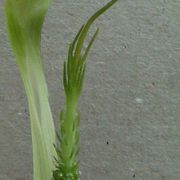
point(131, 97)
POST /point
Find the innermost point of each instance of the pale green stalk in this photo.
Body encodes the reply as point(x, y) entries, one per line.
point(24, 20)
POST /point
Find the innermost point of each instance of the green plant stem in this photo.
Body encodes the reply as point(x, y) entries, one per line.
point(41, 119)
point(70, 141)
point(24, 20)
point(70, 115)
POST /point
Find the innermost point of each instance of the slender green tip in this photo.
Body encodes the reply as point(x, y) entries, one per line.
point(74, 68)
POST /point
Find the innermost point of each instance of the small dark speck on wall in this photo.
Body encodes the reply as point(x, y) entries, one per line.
point(134, 176)
point(107, 142)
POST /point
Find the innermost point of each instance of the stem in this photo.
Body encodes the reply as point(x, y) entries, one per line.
point(42, 126)
point(70, 135)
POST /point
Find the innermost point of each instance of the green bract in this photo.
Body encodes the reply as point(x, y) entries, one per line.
point(24, 22)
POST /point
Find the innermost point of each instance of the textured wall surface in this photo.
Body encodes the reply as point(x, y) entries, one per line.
point(130, 107)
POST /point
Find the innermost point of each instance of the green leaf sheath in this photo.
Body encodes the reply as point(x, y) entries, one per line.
point(24, 19)
point(67, 147)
